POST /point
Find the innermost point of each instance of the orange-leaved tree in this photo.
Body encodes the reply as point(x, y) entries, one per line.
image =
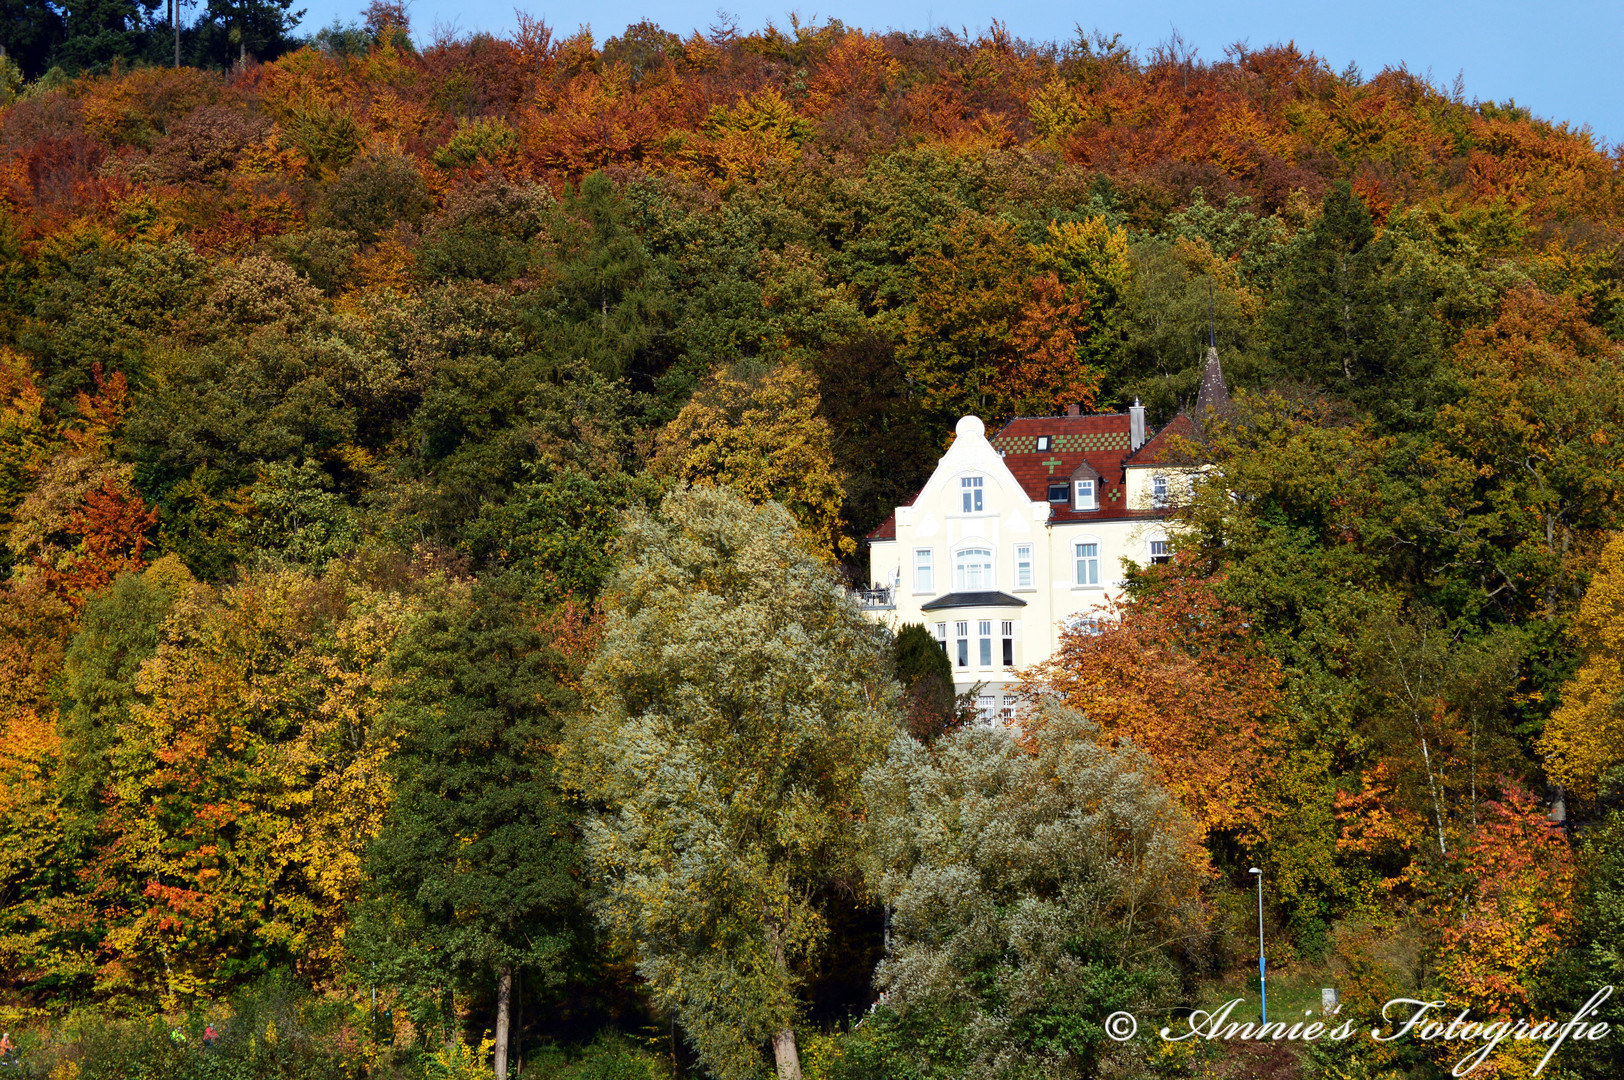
point(1510, 902)
point(1179, 671)
point(83, 523)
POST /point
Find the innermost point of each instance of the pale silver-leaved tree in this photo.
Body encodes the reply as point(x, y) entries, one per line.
point(1034, 894)
point(734, 704)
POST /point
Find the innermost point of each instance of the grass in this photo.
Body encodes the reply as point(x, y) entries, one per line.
point(1294, 995)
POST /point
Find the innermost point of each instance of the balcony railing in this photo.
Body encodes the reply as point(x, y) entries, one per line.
point(878, 598)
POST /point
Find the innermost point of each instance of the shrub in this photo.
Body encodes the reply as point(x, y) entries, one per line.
point(609, 1058)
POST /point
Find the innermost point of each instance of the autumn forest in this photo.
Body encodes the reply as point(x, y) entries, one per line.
point(433, 478)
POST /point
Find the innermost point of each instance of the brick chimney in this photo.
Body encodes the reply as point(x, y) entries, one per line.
point(1074, 410)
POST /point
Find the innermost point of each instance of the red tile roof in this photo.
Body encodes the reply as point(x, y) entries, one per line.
point(1158, 447)
point(1102, 440)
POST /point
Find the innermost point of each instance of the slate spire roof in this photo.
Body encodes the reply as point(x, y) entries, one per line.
point(1213, 394)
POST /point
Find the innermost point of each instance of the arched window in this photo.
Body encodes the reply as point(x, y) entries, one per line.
point(972, 570)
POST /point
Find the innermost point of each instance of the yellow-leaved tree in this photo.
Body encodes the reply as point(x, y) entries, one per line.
point(1584, 739)
point(760, 434)
point(245, 778)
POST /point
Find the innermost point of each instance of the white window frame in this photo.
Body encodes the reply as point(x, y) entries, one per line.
point(988, 564)
point(1078, 571)
point(1025, 568)
point(1079, 501)
point(924, 570)
point(972, 488)
point(1158, 491)
point(1044, 442)
point(984, 651)
point(1166, 556)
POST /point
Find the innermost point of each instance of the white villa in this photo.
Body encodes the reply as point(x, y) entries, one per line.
point(1014, 538)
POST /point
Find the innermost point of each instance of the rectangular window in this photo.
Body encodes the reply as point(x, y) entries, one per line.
point(962, 632)
point(1085, 495)
point(1088, 563)
point(1160, 552)
point(1043, 442)
point(985, 704)
point(1009, 706)
point(1158, 490)
point(985, 634)
point(1009, 652)
point(1057, 492)
point(971, 487)
point(1023, 566)
point(924, 572)
point(941, 635)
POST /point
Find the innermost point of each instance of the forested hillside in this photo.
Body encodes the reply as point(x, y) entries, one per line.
point(423, 473)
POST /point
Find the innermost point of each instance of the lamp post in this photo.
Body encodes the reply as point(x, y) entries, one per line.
point(1262, 974)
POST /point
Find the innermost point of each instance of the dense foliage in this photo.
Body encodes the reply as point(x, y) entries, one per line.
point(426, 476)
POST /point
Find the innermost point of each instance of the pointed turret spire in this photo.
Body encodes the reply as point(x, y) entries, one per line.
point(1213, 393)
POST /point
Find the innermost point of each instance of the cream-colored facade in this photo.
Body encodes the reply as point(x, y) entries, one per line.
point(996, 576)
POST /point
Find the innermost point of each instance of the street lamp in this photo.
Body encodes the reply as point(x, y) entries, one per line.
point(1262, 974)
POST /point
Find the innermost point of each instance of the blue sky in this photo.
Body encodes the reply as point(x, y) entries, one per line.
point(1557, 59)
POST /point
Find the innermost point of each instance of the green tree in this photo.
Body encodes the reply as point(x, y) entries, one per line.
point(476, 865)
point(98, 32)
point(927, 676)
point(29, 31)
point(736, 700)
point(375, 193)
point(608, 304)
point(230, 31)
point(1354, 313)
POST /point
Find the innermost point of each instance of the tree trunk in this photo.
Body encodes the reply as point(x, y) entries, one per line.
point(504, 1009)
point(786, 1056)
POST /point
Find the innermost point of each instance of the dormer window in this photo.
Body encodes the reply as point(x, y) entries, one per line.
point(1158, 491)
point(1086, 482)
point(1057, 492)
point(970, 488)
point(1043, 442)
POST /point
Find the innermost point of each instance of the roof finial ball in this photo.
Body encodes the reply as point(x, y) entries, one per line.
point(971, 427)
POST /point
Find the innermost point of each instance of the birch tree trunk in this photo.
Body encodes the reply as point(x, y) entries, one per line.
point(504, 1010)
point(786, 1056)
